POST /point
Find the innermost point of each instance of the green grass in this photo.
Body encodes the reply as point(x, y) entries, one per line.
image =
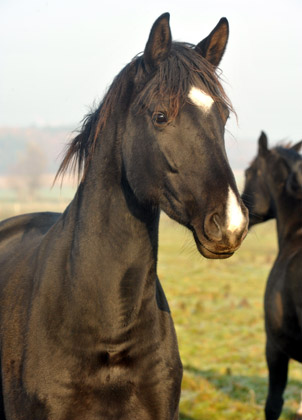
point(217, 307)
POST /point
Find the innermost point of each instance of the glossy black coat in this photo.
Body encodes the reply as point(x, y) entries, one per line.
point(273, 189)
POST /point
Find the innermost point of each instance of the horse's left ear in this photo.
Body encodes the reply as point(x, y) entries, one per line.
point(213, 46)
point(263, 144)
point(297, 146)
point(159, 42)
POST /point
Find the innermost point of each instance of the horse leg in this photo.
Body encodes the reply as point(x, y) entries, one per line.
point(277, 363)
point(176, 417)
point(2, 413)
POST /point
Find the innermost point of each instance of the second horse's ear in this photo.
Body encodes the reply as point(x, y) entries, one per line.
point(213, 46)
point(262, 144)
point(297, 146)
point(159, 42)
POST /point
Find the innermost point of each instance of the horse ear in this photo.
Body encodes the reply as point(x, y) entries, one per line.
point(213, 46)
point(262, 144)
point(297, 146)
point(159, 42)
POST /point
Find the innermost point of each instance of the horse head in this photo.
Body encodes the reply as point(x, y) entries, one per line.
point(273, 172)
point(174, 154)
point(165, 114)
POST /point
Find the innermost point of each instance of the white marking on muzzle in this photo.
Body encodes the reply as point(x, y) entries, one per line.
point(200, 98)
point(234, 214)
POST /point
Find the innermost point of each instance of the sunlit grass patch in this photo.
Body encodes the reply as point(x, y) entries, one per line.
point(217, 307)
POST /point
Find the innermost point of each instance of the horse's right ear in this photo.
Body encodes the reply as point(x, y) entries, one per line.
point(262, 144)
point(297, 146)
point(159, 42)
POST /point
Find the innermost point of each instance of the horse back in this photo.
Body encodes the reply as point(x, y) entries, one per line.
point(26, 226)
point(20, 237)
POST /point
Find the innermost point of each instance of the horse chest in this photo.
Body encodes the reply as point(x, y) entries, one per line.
point(96, 385)
point(111, 386)
point(118, 392)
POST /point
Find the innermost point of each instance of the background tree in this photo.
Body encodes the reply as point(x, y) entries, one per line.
point(26, 175)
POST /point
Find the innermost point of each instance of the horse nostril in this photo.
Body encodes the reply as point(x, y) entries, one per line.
point(213, 227)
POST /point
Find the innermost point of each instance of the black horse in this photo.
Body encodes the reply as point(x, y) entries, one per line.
point(273, 189)
point(86, 332)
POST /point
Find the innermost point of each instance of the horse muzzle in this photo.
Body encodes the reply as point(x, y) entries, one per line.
point(219, 237)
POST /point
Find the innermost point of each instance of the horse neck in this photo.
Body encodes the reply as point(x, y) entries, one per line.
point(288, 215)
point(112, 252)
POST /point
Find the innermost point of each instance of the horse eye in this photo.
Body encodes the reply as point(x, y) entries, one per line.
point(159, 118)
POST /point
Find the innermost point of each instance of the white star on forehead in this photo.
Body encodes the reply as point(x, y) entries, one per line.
point(200, 98)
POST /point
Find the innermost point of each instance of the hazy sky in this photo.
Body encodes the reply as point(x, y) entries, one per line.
point(59, 56)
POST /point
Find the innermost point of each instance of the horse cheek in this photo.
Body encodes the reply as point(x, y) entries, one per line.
point(138, 158)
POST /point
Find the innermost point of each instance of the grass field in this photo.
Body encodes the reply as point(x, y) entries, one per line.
point(218, 314)
point(217, 307)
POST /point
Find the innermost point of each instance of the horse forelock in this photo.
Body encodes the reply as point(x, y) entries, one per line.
point(183, 69)
point(166, 88)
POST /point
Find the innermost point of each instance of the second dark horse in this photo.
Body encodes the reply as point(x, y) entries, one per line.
point(273, 189)
point(86, 332)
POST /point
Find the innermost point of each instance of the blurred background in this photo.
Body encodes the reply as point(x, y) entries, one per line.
point(57, 60)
